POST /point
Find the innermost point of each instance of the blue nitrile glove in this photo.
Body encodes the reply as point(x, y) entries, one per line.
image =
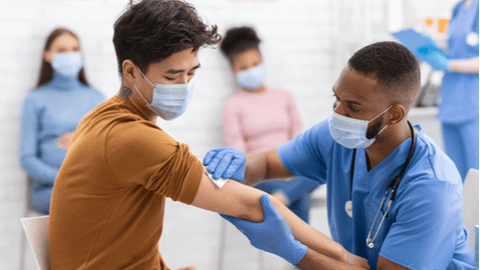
point(434, 57)
point(225, 162)
point(272, 235)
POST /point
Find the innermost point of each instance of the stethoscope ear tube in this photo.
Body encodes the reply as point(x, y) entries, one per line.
point(405, 165)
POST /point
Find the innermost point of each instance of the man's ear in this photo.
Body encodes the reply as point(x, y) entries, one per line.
point(397, 114)
point(128, 69)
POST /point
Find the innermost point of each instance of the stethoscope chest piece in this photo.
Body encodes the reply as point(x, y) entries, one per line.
point(370, 244)
point(348, 208)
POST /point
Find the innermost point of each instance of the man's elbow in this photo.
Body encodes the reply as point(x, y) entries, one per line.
point(254, 211)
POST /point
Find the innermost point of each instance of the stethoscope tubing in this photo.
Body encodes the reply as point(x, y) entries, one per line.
point(393, 184)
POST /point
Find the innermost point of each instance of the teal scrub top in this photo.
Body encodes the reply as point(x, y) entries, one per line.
point(424, 227)
point(459, 91)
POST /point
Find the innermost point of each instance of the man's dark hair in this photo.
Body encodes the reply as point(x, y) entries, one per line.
point(392, 65)
point(152, 30)
point(238, 40)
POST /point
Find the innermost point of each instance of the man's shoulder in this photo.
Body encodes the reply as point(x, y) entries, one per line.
point(112, 117)
point(320, 131)
point(317, 138)
point(430, 163)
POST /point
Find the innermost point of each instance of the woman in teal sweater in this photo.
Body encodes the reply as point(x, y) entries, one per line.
point(51, 113)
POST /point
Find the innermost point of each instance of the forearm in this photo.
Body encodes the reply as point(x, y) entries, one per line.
point(465, 65)
point(255, 169)
point(240, 201)
point(38, 169)
point(233, 199)
point(260, 167)
point(307, 235)
point(314, 260)
point(298, 187)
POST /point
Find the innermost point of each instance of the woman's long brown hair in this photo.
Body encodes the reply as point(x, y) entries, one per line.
point(46, 70)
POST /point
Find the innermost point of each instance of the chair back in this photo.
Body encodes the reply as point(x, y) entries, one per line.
point(470, 204)
point(36, 229)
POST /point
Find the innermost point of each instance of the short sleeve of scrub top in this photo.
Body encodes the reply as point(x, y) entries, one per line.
point(306, 154)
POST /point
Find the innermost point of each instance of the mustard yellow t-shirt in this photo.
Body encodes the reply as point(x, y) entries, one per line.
point(109, 196)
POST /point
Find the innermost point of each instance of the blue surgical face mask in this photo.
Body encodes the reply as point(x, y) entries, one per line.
point(67, 64)
point(350, 132)
point(169, 100)
point(251, 78)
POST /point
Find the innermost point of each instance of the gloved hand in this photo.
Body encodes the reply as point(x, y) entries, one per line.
point(272, 235)
point(434, 57)
point(225, 162)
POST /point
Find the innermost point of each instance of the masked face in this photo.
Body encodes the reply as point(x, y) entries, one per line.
point(248, 69)
point(170, 79)
point(251, 78)
point(67, 64)
point(169, 100)
point(357, 120)
point(353, 133)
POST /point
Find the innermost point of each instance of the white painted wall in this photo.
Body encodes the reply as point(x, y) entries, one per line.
point(299, 42)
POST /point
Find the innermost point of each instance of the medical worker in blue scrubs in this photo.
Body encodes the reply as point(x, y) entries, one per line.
point(458, 109)
point(411, 222)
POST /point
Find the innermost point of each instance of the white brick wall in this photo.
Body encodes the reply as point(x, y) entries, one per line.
point(298, 48)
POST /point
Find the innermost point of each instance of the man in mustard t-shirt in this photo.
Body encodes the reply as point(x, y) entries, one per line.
point(109, 197)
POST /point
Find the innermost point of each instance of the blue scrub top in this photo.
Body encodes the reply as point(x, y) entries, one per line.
point(424, 227)
point(459, 91)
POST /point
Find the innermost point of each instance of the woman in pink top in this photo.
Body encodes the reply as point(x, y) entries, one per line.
point(258, 118)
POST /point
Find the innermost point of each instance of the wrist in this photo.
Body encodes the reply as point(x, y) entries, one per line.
point(448, 66)
point(298, 252)
point(340, 253)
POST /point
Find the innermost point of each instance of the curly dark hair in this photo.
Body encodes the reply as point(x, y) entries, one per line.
point(394, 67)
point(152, 30)
point(238, 40)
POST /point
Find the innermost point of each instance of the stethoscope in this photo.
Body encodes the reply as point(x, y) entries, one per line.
point(391, 187)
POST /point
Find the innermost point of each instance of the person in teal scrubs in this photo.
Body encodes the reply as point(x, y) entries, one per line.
point(458, 108)
point(459, 105)
point(413, 223)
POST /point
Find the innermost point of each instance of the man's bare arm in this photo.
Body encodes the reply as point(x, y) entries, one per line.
point(238, 200)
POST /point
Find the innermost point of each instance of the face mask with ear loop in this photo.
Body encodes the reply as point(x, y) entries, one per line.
point(169, 100)
point(350, 132)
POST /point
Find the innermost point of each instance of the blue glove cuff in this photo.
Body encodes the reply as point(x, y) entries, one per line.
point(239, 174)
point(298, 252)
